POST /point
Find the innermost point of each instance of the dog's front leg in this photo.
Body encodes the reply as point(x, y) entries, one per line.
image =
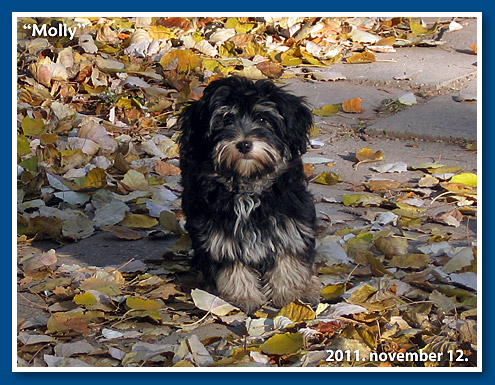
point(291, 279)
point(240, 285)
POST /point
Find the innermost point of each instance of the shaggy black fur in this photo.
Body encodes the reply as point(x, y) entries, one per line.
point(248, 211)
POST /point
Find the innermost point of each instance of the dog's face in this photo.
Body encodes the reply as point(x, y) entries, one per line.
point(243, 128)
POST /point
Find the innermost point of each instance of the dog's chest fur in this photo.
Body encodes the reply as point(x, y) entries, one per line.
point(255, 233)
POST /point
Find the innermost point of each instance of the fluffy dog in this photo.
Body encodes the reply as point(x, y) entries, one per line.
point(248, 211)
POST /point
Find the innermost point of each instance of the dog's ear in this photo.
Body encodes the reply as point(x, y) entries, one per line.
point(297, 116)
point(194, 120)
point(193, 124)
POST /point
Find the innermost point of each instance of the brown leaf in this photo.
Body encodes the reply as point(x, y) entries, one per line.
point(361, 58)
point(164, 291)
point(352, 105)
point(270, 69)
point(164, 168)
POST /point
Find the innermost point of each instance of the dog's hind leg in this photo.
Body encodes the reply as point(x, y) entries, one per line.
point(291, 279)
point(240, 285)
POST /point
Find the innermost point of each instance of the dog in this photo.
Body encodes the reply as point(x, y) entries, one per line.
point(248, 211)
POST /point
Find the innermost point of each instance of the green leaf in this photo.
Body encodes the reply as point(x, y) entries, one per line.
point(328, 110)
point(283, 343)
point(84, 299)
point(328, 178)
point(32, 127)
point(23, 147)
point(142, 304)
point(333, 292)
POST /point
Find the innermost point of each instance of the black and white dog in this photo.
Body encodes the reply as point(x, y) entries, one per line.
point(248, 211)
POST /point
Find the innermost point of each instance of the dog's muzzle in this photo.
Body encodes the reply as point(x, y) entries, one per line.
point(246, 157)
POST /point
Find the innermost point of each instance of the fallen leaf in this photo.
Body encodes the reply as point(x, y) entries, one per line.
point(186, 60)
point(418, 28)
point(280, 344)
point(361, 58)
point(135, 180)
point(366, 155)
point(328, 178)
point(410, 261)
point(352, 105)
point(428, 181)
point(297, 312)
point(391, 246)
point(164, 291)
point(391, 167)
point(381, 185)
point(164, 168)
point(211, 303)
point(333, 292)
point(136, 303)
point(32, 127)
point(139, 221)
point(327, 110)
point(270, 69)
point(467, 178)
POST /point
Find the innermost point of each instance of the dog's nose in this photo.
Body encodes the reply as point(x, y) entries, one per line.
point(244, 147)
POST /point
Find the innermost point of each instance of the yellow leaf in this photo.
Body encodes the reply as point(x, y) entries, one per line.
point(410, 261)
point(328, 110)
point(291, 57)
point(333, 292)
point(23, 147)
point(361, 58)
point(142, 304)
point(311, 59)
point(362, 200)
point(139, 221)
point(227, 49)
point(367, 155)
point(253, 49)
point(134, 180)
point(390, 40)
point(381, 185)
point(47, 138)
point(328, 178)
point(187, 60)
point(444, 170)
point(97, 177)
point(297, 312)
point(84, 299)
point(160, 32)
point(418, 29)
point(32, 127)
point(466, 178)
point(362, 294)
point(283, 343)
point(124, 103)
point(233, 22)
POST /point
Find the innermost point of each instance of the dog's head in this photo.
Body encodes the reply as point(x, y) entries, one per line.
point(244, 128)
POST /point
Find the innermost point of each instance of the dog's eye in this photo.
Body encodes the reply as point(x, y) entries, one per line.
point(261, 120)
